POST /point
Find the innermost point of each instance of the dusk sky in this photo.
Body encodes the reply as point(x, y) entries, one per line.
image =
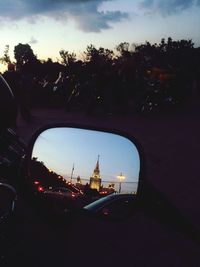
point(62, 148)
point(51, 25)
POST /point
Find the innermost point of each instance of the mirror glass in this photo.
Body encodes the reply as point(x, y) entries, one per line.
point(84, 165)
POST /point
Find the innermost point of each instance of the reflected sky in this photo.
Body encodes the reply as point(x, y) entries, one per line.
point(61, 148)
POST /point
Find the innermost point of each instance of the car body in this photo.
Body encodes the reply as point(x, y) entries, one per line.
point(114, 206)
point(63, 200)
point(61, 193)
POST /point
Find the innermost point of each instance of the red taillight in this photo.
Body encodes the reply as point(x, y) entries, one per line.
point(40, 188)
point(36, 182)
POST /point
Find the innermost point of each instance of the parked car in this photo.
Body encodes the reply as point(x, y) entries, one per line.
point(115, 206)
point(63, 200)
point(61, 193)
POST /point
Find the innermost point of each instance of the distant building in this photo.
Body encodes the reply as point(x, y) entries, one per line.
point(78, 180)
point(79, 183)
point(95, 179)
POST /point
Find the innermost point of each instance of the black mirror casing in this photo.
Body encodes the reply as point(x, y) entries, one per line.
point(148, 200)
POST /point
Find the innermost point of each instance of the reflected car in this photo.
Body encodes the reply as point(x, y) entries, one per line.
point(114, 206)
point(61, 193)
point(63, 200)
point(74, 189)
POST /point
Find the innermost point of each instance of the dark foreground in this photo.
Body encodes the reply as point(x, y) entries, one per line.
point(172, 148)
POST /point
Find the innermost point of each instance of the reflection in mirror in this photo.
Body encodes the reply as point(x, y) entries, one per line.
point(76, 164)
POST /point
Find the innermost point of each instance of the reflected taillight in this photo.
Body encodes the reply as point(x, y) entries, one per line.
point(40, 189)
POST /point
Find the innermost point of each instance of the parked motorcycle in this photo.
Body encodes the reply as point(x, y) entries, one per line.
point(157, 97)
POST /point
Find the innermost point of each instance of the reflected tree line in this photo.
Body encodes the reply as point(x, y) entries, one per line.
point(142, 78)
point(43, 177)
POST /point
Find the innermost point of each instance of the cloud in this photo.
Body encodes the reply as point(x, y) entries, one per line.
point(33, 41)
point(85, 13)
point(100, 21)
point(168, 7)
point(89, 19)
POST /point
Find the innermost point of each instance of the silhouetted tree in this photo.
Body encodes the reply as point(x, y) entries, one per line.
point(6, 58)
point(51, 68)
point(23, 53)
point(124, 49)
point(67, 58)
point(96, 55)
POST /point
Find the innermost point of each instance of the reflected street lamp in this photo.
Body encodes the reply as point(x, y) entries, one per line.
point(121, 178)
point(72, 173)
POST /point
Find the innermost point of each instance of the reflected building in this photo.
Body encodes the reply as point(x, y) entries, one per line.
point(79, 183)
point(95, 179)
point(78, 179)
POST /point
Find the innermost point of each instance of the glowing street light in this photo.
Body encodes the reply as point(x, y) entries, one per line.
point(121, 178)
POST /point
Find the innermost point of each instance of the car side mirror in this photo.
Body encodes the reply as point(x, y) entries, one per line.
point(92, 163)
point(95, 165)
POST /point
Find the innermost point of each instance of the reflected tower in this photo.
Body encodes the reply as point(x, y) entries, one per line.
point(95, 179)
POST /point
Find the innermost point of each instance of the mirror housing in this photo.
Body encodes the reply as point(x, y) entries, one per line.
point(108, 141)
point(148, 200)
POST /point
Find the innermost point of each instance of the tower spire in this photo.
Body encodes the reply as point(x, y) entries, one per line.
point(97, 165)
point(96, 172)
point(95, 179)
